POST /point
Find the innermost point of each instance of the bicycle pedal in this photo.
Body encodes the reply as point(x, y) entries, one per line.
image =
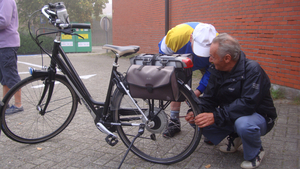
point(111, 140)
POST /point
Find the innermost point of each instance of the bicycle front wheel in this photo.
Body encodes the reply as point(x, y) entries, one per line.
point(153, 146)
point(29, 125)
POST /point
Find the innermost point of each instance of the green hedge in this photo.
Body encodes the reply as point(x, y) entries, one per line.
point(28, 46)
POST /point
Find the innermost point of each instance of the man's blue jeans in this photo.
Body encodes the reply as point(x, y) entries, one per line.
point(249, 128)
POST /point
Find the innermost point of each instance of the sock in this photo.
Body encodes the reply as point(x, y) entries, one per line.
point(174, 114)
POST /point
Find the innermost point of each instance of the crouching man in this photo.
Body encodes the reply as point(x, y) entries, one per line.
point(237, 102)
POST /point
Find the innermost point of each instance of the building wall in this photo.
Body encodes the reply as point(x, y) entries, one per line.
point(268, 30)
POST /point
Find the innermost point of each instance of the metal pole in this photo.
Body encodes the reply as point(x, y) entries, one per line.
point(106, 31)
point(166, 16)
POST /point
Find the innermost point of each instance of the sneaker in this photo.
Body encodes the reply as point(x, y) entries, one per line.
point(13, 109)
point(208, 141)
point(254, 162)
point(234, 143)
point(173, 128)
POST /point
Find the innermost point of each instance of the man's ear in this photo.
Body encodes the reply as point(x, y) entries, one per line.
point(227, 58)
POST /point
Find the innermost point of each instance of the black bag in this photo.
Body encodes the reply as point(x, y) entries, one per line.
point(152, 82)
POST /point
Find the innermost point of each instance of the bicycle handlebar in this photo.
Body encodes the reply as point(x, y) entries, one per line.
point(80, 25)
point(46, 7)
point(52, 17)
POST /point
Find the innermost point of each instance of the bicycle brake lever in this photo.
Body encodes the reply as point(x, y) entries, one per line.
point(70, 32)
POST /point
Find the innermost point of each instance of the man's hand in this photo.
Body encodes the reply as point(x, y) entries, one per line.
point(197, 93)
point(190, 117)
point(204, 119)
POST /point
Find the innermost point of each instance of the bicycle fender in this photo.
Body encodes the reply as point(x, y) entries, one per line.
point(195, 98)
point(186, 86)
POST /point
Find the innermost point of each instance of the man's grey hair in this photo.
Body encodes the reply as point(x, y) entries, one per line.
point(228, 45)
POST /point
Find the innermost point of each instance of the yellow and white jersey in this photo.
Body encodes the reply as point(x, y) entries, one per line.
point(177, 39)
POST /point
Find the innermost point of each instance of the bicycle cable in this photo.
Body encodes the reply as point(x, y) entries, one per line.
point(35, 39)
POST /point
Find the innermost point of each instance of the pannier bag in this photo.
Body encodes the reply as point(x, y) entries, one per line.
point(182, 63)
point(154, 76)
point(152, 82)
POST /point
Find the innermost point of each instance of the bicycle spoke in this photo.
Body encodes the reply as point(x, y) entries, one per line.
point(152, 145)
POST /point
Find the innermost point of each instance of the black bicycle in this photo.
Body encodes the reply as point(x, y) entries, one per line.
point(50, 101)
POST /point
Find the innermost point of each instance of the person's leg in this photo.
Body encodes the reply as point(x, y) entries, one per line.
point(17, 96)
point(12, 73)
point(10, 76)
point(175, 109)
point(250, 128)
point(4, 87)
point(174, 124)
point(5, 90)
point(16, 78)
point(216, 134)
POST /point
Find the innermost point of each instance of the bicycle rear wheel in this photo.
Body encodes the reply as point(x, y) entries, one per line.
point(152, 146)
point(30, 126)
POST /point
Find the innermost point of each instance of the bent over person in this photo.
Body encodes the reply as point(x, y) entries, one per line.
point(194, 38)
point(237, 102)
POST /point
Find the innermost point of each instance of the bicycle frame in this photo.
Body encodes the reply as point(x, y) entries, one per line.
point(98, 110)
point(72, 76)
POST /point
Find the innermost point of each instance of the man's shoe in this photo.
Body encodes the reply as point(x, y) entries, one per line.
point(173, 128)
point(254, 162)
point(234, 143)
point(13, 109)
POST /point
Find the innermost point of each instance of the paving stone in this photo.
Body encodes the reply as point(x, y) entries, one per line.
point(82, 145)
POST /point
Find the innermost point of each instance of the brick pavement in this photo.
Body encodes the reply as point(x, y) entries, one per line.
point(81, 145)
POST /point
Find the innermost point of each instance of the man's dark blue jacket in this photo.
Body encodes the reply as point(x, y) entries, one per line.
point(242, 91)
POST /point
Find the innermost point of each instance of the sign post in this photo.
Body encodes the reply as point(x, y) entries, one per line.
point(104, 24)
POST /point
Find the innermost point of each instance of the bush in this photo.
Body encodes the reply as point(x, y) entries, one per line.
point(28, 46)
point(277, 93)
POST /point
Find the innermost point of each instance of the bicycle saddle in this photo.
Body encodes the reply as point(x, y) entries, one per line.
point(122, 50)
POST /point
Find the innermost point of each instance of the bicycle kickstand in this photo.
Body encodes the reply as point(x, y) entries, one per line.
point(140, 132)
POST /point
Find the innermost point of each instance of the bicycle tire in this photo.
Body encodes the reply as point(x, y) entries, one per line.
point(156, 148)
point(29, 126)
